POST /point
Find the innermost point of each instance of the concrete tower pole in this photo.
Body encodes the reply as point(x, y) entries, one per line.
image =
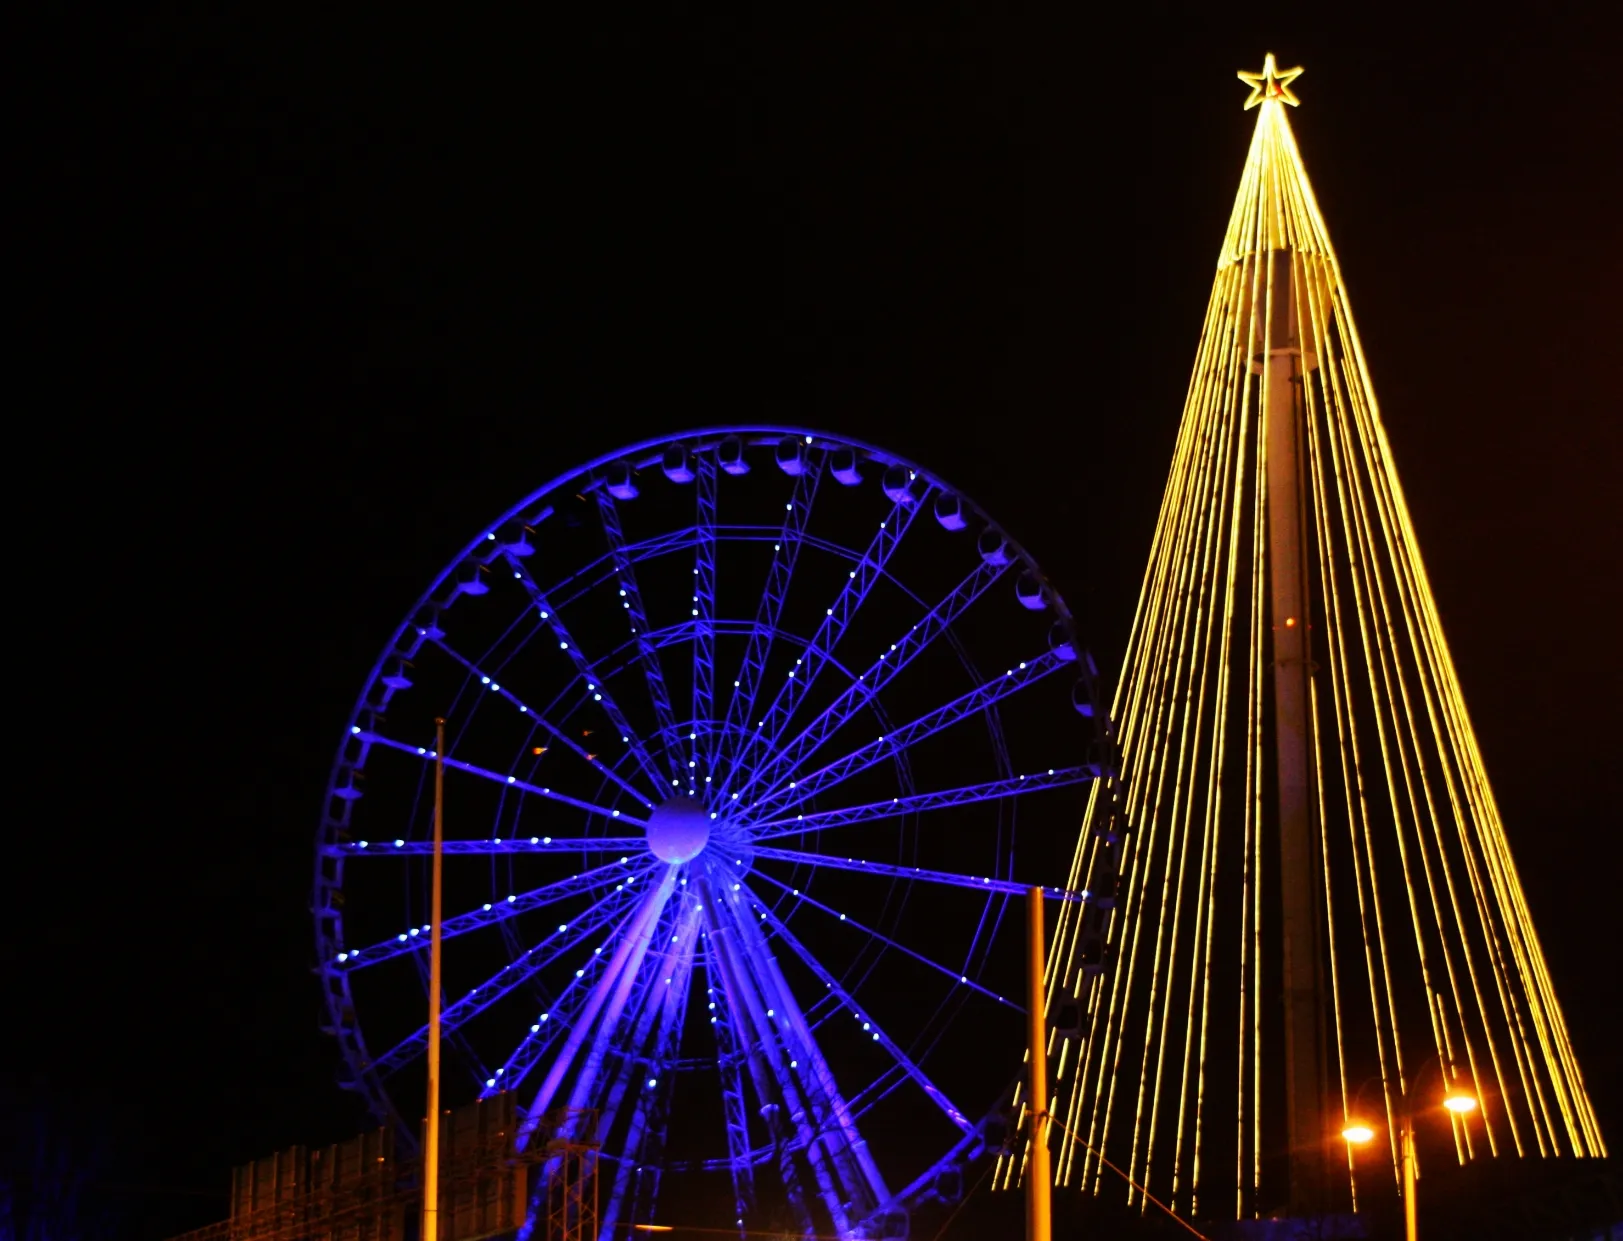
point(1285, 369)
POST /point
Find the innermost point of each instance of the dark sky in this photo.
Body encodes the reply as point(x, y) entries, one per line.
point(319, 294)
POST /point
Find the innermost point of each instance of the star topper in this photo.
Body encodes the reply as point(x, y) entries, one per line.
point(1270, 82)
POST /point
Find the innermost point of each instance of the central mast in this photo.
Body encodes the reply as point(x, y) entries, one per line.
point(1284, 369)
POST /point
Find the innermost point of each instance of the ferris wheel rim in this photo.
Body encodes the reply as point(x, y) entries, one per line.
point(643, 454)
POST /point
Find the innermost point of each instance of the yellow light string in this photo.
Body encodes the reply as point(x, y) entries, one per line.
point(1147, 806)
point(1188, 622)
point(1456, 1120)
point(1251, 815)
point(1366, 585)
point(1352, 786)
point(1190, 743)
point(1317, 348)
point(1505, 989)
point(1488, 822)
point(1427, 690)
point(1358, 561)
point(1356, 406)
point(1234, 481)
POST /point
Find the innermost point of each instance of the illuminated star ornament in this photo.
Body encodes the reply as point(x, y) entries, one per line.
point(1270, 82)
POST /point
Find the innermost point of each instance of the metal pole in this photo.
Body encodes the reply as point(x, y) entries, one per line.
point(1411, 1222)
point(431, 1137)
point(1283, 377)
point(1039, 1180)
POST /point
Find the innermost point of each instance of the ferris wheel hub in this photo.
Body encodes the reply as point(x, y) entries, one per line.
point(678, 830)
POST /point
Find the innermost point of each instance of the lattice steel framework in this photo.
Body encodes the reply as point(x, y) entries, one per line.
point(1305, 883)
point(737, 726)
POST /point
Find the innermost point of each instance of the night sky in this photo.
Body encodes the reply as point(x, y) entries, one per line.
point(314, 296)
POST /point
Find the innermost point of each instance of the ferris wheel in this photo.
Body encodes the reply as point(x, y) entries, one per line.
point(737, 727)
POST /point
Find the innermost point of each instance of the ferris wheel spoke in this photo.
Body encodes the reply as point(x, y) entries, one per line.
point(596, 683)
point(860, 692)
point(757, 1052)
point(704, 608)
point(415, 939)
point(583, 581)
point(598, 572)
point(836, 1149)
point(798, 791)
point(558, 735)
point(735, 1106)
point(837, 618)
point(504, 981)
point(785, 552)
point(918, 874)
point(664, 968)
point(512, 782)
point(869, 1024)
point(609, 992)
point(895, 807)
point(489, 848)
point(956, 976)
point(557, 1018)
point(631, 599)
point(650, 1077)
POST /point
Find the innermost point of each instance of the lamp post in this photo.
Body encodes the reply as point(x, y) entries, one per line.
point(430, 1230)
point(1039, 1180)
point(1456, 1100)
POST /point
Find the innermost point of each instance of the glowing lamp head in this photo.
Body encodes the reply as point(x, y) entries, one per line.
point(1358, 1134)
point(1460, 1103)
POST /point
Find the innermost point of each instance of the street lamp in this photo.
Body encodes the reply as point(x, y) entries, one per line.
point(1459, 1102)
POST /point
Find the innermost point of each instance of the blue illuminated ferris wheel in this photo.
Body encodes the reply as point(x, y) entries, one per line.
point(737, 726)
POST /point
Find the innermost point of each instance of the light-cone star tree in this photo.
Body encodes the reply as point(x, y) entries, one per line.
point(1314, 904)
